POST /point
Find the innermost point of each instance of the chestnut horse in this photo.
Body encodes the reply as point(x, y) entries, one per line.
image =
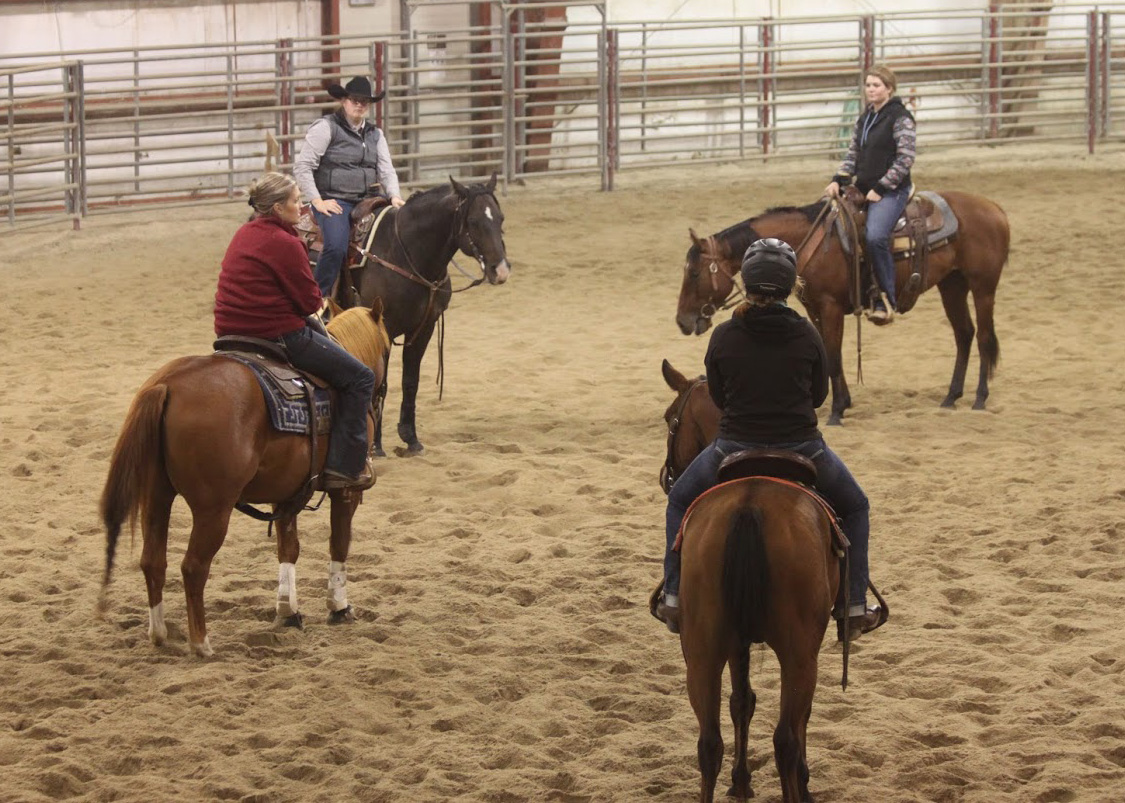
point(970, 263)
point(757, 564)
point(199, 428)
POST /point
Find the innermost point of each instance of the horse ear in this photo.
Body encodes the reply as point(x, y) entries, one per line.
point(676, 381)
point(377, 308)
point(491, 185)
point(694, 237)
point(334, 309)
point(458, 188)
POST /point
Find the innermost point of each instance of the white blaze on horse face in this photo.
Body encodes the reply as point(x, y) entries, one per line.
point(157, 630)
point(488, 212)
point(286, 589)
point(337, 586)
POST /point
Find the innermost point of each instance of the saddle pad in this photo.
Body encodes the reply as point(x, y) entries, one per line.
point(284, 392)
point(945, 232)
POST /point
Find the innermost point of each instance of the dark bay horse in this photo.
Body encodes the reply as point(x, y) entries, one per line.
point(972, 262)
point(757, 565)
point(199, 428)
point(413, 248)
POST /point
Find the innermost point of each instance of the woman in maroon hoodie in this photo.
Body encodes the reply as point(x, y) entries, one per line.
point(266, 289)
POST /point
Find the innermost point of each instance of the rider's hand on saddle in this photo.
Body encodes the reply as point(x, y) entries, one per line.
point(396, 201)
point(832, 190)
point(329, 207)
point(873, 196)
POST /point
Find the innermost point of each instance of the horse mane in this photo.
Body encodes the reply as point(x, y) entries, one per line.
point(422, 197)
point(440, 192)
point(739, 236)
point(364, 337)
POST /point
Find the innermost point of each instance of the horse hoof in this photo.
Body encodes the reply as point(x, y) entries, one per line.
point(378, 452)
point(834, 420)
point(978, 404)
point(733, 792)
point(411, 450)
point(342, 617)
point(949, 402)
point(296, 620)
point(203, 649)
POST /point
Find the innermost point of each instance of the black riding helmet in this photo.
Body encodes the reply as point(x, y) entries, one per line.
point(769, 268)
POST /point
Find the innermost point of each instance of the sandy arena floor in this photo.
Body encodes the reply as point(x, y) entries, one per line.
point(504, 651)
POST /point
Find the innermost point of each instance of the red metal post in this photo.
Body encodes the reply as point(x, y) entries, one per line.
point(994, 54)
point(379, 70)
point(867, 27)
point(1092, 51)
point(285, 97)
point(1106, 51)
point(612, 133)
point(765, 83)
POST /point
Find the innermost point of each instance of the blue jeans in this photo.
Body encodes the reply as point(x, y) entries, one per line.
point(354, 383)
point(833, 481)
point(881, 218)
point(337, 231)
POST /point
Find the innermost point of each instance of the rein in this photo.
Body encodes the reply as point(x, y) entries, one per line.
point(848, 214)
point(667, 473)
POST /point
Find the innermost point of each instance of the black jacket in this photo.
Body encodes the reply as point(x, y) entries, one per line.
point(767, 371)
point(876, 150)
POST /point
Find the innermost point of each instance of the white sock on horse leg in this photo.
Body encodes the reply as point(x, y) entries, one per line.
point(337, 586)
point(286, 589)
point(157, 630)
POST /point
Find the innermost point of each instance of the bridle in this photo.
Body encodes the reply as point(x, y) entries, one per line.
point(459, 231)
point(668, 474)
point(708, 309)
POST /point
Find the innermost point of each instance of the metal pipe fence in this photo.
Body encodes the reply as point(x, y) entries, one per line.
point(532, 93)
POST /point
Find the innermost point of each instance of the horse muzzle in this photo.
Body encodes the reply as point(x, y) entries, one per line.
point(498, 273)
point(691, 323)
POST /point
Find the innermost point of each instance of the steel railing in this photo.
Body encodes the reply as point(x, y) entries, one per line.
point(105, 130)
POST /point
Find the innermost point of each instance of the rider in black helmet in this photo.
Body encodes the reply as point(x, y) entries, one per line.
point(767, 372)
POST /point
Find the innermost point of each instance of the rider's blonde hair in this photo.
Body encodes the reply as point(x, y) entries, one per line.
point(269, 190)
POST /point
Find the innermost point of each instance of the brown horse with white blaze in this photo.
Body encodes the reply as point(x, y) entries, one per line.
point(199, 428)
point(972, 262)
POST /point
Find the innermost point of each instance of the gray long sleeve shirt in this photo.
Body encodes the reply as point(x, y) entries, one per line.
point(316, 143)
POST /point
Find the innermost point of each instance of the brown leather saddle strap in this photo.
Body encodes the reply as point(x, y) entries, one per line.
point(296, 503)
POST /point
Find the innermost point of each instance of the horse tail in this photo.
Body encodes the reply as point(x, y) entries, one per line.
point(746, 576)
point(990, 353)
point(133, 470)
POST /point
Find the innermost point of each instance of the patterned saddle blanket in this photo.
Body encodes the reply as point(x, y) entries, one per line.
point(283, 387)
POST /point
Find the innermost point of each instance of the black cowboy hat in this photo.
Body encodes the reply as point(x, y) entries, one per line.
point(358, 87)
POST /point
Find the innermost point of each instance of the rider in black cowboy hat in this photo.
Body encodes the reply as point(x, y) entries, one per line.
point(343, 157)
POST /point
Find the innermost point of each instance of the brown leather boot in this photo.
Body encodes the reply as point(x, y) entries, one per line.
point(871, 619)
point(334, 480)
